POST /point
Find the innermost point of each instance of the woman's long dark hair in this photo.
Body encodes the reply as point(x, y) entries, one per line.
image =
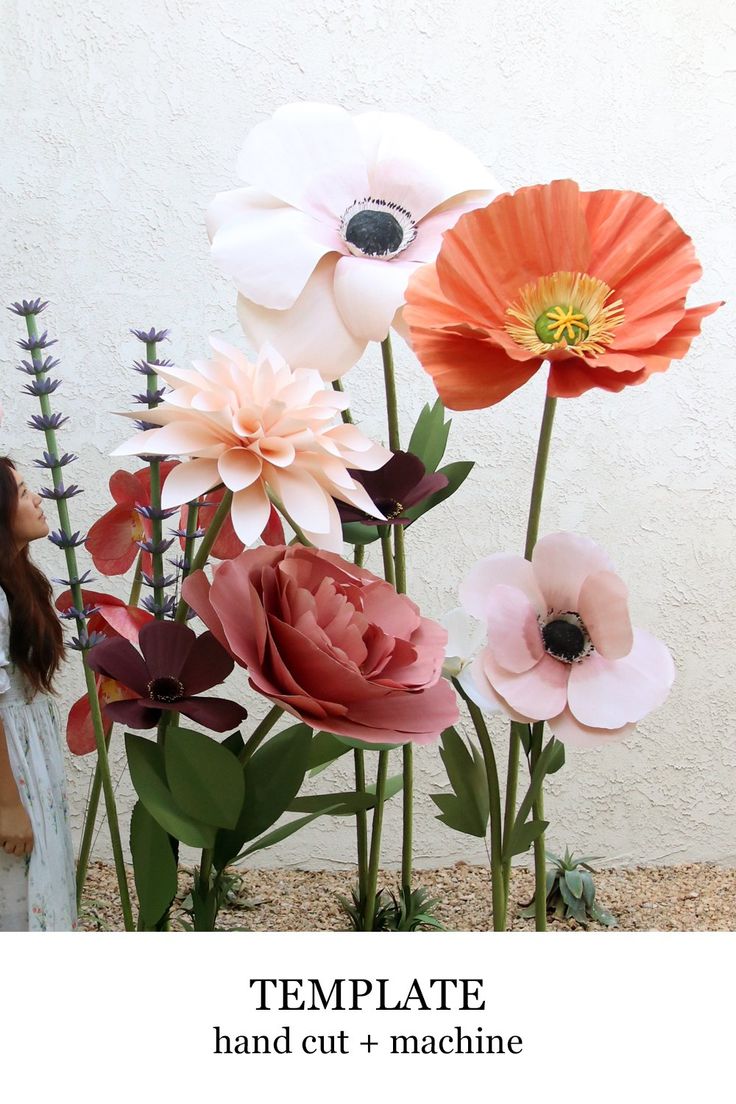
point(36, 638)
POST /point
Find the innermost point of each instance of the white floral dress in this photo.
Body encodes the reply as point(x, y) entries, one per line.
point(37, 892)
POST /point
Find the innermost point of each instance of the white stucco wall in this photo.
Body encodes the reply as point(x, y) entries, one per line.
point(120, 122)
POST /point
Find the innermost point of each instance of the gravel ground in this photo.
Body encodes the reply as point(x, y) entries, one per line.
point(696, 897)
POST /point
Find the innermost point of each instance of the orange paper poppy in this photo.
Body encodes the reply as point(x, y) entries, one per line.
point(593, 282)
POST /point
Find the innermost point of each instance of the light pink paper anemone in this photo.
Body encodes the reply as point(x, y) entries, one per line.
point(341, 210)
point(330, 642)
point(560, 644)
point(256, 427)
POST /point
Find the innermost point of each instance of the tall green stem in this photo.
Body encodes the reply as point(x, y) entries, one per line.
point(532, 532)
point(540, 864)
point(90, 815)
point(89, 678)
point(498, 890)
point(375, 856)
point(398, 572)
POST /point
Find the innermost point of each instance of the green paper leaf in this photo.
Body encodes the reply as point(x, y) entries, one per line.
point(354, 532)
point(154, 865)
point(325, 749)
point(466, 809)
point(205, 777)
point(273, 777)
point(366, 745)
point(557, 758)
point(148, 774)
point(277, 835)
point(524, 835)
point(333, 804)
point(429, 436)
point(394, 784)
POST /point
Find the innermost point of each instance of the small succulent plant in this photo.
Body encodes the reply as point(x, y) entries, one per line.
point(394, 913)
point(571, 892)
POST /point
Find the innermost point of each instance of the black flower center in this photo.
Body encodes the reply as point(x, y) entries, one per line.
point(564, 640)
point(165, 689)
point(374, 232)
point(377, 228)
point(389, 507)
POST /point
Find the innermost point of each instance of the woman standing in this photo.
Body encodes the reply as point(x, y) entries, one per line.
point(36, 858)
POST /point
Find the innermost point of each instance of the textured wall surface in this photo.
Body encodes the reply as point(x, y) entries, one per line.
point(120, 122)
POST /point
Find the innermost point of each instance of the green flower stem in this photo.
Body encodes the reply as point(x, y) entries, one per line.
point(361, 828)
point(192, 519)
point(346, 415)
point(399, 580)
point(90, 815)
point(388, 559)
point(361, 817)
point(540, 864)
point(499, 893)
point(89, 678)
point(512, 782)
point(205, 548)
point(392, 405)
point(532, 532)
point(259, 733)
point(155, 474)
point(375, 855)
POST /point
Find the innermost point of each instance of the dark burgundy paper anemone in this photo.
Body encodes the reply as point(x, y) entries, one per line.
point(175, 667)
point(400, 484)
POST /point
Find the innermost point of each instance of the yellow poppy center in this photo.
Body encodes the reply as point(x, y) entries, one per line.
point(565, 312)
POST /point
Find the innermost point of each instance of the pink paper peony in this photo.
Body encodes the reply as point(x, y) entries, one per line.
point(340, 211)
point(560, 644)
point(258, 428)
point(330, 642)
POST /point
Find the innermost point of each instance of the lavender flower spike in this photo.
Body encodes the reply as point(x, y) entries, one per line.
point(28, 306)
point(41, 387)
point(151, 336)
point(32, 343)
point(46, 421)
point(57, 493)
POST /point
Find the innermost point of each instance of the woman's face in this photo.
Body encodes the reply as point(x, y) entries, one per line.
point(29, 522)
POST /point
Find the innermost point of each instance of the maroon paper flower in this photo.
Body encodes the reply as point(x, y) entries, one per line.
point(175, 666)
point(400, 484)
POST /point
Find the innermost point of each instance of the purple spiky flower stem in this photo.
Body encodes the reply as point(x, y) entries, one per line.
point(35, 346)
point(158, 606)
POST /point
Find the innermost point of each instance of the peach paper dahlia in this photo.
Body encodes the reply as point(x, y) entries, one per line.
point(260, 428)
point(593, 282)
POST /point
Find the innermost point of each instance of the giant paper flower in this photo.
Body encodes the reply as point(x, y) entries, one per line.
point(113, 539)
point(560, 645)
point(340, 211)
point(112, 618)
point(330, 642)
point(255, 428)
point(169, 674)
point(594, 282)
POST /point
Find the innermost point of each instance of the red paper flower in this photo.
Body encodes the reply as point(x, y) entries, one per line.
point(169, 673)
point(112, 539)
point(113, 618)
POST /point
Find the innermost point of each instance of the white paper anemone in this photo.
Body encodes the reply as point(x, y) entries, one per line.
point(340, 211)
point(260, 427)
